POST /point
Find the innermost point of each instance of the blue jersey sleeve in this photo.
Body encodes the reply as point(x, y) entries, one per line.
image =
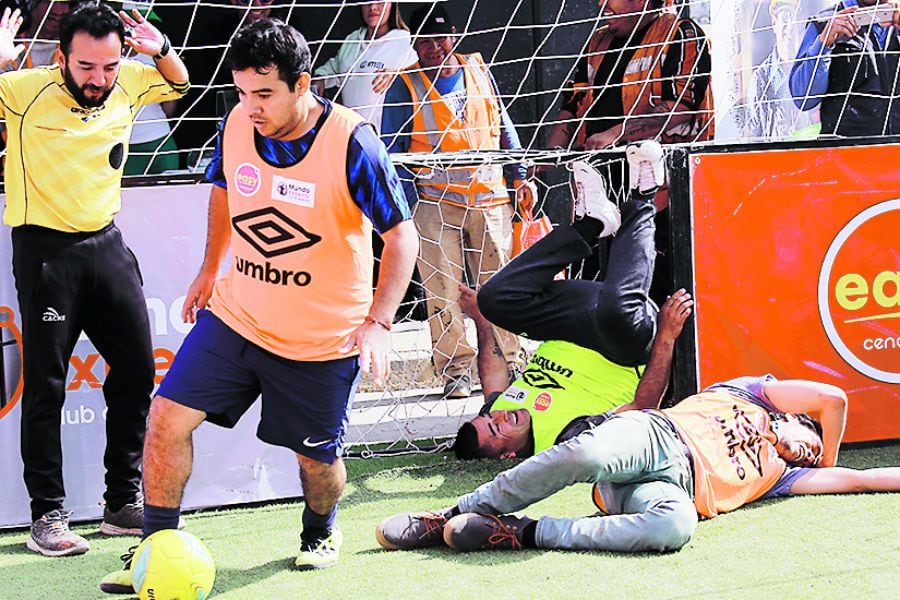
point(214, 171)
point(373, 181)
point(750, 389)
point(783, 486)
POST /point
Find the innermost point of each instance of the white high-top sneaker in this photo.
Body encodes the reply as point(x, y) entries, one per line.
point(646, 166)
point(591, 199)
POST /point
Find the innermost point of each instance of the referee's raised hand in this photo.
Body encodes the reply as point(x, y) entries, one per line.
point(140, 35)
point(9, 27)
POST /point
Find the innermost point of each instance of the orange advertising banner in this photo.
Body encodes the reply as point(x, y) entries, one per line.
point(797, 273)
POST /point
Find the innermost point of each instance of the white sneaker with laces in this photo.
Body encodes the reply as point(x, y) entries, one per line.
point(591, 199)
point(50, 535)
point(646, 166)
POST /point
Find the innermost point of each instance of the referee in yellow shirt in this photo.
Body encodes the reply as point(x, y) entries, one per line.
point(68, 133)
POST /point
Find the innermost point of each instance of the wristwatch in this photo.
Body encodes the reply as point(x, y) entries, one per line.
point(164, 49)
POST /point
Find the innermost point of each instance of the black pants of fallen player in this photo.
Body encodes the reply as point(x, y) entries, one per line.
point(614, 317)
point(68, 283)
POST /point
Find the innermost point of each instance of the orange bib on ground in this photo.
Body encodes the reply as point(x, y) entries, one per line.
point(733, 447)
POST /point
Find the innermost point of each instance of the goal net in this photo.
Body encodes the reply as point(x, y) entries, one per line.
point(541, 54)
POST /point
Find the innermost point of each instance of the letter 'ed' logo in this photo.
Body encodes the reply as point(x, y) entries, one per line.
point(859, 292)
point(247, 179)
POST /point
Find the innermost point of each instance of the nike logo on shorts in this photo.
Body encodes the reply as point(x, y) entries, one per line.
point(310, 444)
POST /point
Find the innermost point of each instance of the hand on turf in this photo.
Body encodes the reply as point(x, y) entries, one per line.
point(674, 312)
point(9, 27)
point(141, 36)
point(197, 297)
point(374, 345)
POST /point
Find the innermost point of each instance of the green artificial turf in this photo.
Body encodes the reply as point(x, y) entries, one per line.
point(805, 547)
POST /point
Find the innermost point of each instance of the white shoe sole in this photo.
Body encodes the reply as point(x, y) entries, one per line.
point(110, 529)
point(35, 547)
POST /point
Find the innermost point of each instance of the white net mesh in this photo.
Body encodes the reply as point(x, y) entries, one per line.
point(540, 53)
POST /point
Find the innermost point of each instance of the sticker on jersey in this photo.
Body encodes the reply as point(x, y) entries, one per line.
point(293, 191)
point(542, 402)
point(247, 179)
point(515, 395)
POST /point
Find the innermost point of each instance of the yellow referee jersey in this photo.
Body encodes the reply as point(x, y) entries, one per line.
point(64, 162)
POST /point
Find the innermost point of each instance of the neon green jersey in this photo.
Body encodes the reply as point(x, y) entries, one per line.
point(564, 381)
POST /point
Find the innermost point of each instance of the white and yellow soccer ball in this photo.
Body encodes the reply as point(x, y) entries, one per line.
point(172, 565)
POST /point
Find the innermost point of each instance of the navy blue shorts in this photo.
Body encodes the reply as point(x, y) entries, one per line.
point(305, 405)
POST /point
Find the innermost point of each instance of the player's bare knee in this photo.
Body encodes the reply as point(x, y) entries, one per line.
point(170, 421)
point(323, 483)
point(317, 470)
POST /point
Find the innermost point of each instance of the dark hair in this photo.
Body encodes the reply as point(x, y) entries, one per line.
point(802, 418)
point(466, 444)
point(394, 20)
point(94, 18)
point(268, 43)
point(809, 423)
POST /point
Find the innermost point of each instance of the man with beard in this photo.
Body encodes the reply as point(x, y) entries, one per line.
point(68, 130)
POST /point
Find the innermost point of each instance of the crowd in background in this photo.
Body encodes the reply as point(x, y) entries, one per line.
point(646, 72)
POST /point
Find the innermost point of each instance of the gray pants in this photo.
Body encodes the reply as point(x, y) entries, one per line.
point(644, 476)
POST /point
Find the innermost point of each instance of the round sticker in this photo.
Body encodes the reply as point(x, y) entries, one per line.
point(542, 402)
point(247, 179)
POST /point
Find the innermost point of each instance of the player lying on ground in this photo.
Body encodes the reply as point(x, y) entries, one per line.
point(564, 391)
point(601, 332)
point(655, 471)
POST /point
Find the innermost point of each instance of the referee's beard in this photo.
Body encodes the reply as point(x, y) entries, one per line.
point(78, 92)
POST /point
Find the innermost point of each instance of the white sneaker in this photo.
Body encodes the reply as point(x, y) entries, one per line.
point(591, 199)
point(50, 535)
point(646, 166)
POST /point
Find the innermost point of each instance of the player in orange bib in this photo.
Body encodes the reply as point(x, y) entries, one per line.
point(298, 185)
point(655, 471)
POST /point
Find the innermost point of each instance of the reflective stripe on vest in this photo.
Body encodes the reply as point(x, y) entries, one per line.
point(464, 186)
